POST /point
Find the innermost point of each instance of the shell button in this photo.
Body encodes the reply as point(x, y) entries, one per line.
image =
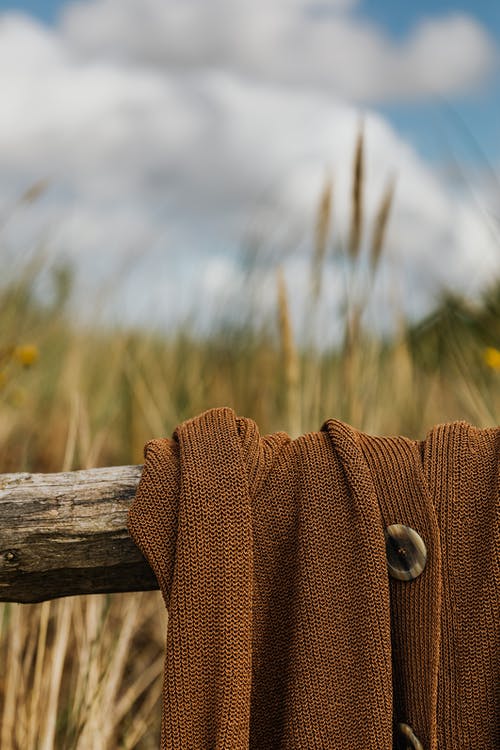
point(406, 738)
point(405, 550)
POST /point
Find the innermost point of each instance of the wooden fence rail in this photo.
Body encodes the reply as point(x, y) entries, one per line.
point(66, 534)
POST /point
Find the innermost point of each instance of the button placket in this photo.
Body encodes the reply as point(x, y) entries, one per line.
point(406, 557)
point(404, 486)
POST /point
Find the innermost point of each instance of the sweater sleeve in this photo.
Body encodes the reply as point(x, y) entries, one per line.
point(191, 518)
point(153, 515)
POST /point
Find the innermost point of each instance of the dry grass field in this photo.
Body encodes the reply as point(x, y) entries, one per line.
point(85, 672)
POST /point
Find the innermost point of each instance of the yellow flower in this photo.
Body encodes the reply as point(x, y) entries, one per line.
point(26, 355)
point(492, 357)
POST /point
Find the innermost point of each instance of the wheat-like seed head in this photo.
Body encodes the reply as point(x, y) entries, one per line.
point(380, 226)
point(357, 196)
point(322, 228)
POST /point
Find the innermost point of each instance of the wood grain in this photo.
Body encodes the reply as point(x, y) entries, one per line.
point(65, 534)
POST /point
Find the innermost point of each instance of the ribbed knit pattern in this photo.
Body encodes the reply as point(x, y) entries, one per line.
point(285, 629)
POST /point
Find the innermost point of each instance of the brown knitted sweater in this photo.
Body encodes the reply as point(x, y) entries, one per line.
point(289, 627)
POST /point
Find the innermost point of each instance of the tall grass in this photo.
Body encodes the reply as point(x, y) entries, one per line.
point(85, 672)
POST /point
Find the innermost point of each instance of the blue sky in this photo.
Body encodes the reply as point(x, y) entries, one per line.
point(473, 119)
point(396, 15)
point(400, 16)
point(46, 10)
point(467, 126)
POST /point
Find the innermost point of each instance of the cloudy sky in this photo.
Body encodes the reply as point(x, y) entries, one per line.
point(172, 132)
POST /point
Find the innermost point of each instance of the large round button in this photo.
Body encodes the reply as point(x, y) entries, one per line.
point(406, 738)
point(405, 550)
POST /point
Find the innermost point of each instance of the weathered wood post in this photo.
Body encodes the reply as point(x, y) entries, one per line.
point(65, 534)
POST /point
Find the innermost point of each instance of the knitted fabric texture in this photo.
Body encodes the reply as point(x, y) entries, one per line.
point(285, 630)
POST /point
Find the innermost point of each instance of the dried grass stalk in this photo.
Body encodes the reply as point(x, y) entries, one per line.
point(380, 226)
point(357, 197)
point(12, 676)
point(37, 687)
point(320, 238)
point(35, 190)
point(53, 677)
point(290, 358)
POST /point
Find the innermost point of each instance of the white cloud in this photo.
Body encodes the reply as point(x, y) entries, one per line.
point(288, 43)
point(164, 168)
